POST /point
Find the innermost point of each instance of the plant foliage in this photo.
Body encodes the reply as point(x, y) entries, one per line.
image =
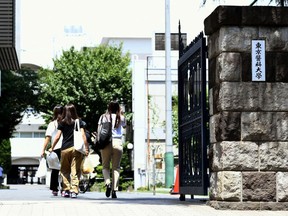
point(18, 91)
point(281, 3)
point(90, 79)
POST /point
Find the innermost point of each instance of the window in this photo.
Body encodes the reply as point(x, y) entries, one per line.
point(16, 135)
point(160, 41)
point(25, 134)
point(29, 135)
point(39, 134)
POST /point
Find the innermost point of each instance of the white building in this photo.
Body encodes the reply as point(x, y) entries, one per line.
point(148, 74)
point(26, 147)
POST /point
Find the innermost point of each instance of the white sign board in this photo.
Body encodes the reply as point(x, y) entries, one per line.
point(258, 60)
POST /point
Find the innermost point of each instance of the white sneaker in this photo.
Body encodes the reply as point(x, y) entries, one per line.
point(73, 195)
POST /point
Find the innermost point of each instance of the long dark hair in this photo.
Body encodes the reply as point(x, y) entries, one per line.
point(69, 114)
point(57, 112)
point(114, 108)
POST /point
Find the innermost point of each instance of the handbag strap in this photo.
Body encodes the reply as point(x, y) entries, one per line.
point(77, 125)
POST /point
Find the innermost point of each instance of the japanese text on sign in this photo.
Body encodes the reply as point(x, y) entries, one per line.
point(258, 60)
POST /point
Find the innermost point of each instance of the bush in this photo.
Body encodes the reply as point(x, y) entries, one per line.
point(4, 187)
point(141, 189)
point(127, 186)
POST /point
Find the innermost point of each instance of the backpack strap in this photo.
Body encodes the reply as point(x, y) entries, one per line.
point(106, 118)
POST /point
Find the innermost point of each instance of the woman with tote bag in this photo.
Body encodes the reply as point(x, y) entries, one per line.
point(71, 159)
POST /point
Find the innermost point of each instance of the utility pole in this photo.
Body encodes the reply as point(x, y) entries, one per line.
point(148, 124)
point(169, 158)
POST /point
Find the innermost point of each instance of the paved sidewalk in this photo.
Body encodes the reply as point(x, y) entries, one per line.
point(30, 200)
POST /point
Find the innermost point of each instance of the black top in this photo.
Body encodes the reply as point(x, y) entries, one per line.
point(67, 133)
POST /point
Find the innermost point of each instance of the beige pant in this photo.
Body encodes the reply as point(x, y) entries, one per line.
point(71, 161)
point(112, 153)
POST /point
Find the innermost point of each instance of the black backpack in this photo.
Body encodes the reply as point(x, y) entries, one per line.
point(104, 133)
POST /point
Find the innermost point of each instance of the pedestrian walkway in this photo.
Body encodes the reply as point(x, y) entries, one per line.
point(37, 200)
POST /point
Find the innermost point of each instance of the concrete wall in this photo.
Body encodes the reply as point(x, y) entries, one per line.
point(248, 120)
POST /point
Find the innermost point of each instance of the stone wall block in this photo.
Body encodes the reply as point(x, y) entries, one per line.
point(259, 96)
point(213, 122)
point(273, 16)
point(231, 97)
point(246, 67)
point(211, 101)
point(215, 156)
point(282, 186)
point(225, 186)
point(276, 38)
point(273, 96)
point(213, 48)
point(234, 156)
point(222, 16)
point(231, 39)
point(257, 126)
point(281, 126)
point(229, 67)
point(245, 16)
point(213, 74)
point(259, 186)
point(215, 98)
point(236, 39)
point(264, 126)
point(273, 156)
point(228, 127)
point(281, 67)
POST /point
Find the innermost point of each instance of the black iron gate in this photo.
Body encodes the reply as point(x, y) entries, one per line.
point(193, 117)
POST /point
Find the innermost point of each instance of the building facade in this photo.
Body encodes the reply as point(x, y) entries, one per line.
point(26, 148)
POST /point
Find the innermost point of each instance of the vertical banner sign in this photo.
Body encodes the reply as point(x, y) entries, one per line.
point(258, 60)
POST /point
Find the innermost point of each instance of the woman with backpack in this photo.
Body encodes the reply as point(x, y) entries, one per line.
point(112, 153)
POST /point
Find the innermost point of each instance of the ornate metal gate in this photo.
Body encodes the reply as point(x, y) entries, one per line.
point(192, 117)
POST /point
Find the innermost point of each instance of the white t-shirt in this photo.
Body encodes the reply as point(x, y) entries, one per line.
point(116, 132)
point(51, 131)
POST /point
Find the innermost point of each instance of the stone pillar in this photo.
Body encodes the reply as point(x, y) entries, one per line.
point(248, 120)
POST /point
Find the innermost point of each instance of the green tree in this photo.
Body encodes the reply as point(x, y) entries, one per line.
point(88, 78)
point(18, 91)
point(175, 120)
point(281, 3)
point(175, 126)
point(5, 155)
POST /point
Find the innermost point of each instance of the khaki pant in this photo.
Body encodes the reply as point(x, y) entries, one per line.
point(71, 161)
point(112, 153)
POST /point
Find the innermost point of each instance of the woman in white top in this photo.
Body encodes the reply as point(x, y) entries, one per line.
point(49, 137)
point(112, 153)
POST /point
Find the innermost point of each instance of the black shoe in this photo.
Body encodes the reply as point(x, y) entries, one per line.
point(114, 194)
point(108, 190)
